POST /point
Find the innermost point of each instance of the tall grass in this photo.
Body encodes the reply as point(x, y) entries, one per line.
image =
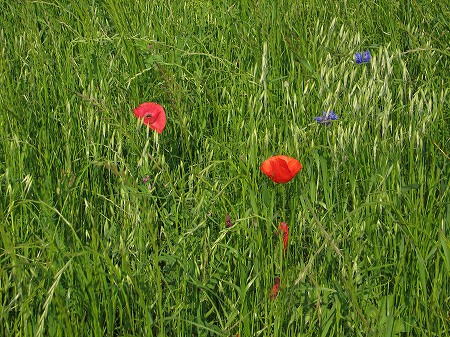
point(88, 249)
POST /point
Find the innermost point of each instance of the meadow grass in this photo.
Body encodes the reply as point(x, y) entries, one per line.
point(88, 249)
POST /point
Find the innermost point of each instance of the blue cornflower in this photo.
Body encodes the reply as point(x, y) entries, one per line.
point(360, 58)
point(326, 117)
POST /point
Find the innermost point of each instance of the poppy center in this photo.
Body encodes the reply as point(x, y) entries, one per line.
point(150, 118)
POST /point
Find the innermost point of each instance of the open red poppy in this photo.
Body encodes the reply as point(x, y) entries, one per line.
point(152, 114)
point(281, 169)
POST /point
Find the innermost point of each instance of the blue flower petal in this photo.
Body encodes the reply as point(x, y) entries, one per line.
point(319, 119)
point(332, 116)
point(363, 58)
point(358, 58)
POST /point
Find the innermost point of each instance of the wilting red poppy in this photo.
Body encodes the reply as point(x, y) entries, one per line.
point(152, 114)
point(281, 169)
point(275, 289)
point(283, 227)
point(228, 222)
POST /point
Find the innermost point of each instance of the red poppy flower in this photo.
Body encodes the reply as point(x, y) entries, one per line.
point(275, 289)
point(152, 114)
point(283, 227)
point(281, 169)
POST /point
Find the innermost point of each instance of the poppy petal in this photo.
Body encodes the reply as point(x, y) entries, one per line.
point(281, 172)
point(159, 124)
point(294, 166)
point(266, 168)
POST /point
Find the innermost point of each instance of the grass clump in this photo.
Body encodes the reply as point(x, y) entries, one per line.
point(108, 228)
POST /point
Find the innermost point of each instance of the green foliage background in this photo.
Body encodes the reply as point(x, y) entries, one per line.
point(88, 249)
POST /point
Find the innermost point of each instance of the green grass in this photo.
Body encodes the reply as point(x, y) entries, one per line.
point(88, 249)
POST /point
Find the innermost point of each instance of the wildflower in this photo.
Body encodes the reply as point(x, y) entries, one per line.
point(275, 289)
point(281, 169)
point(360, 58)
point(228, 221)
point(326, 117)
point(145, 179)
point(152, 114)
point(283, 227)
